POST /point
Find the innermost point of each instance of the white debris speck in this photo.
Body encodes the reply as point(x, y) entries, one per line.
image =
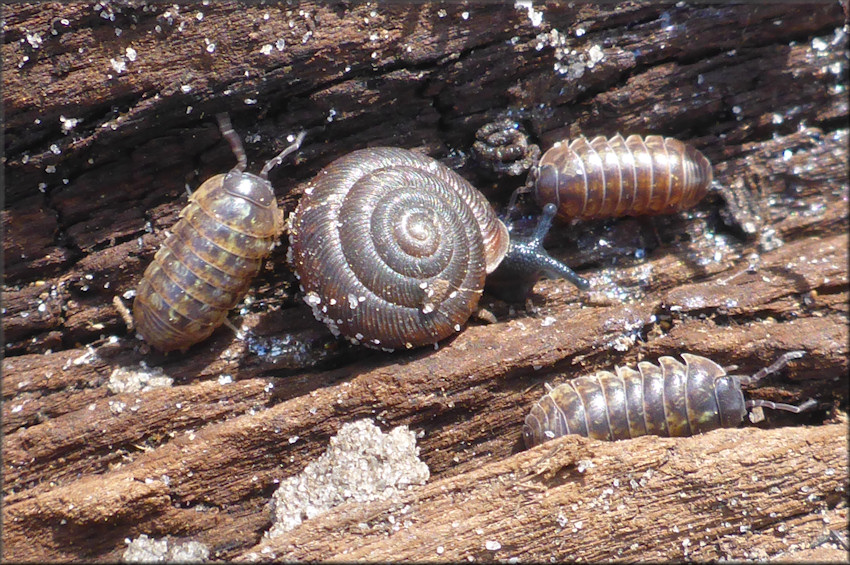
point(130, 53)
point(86, 358)
point(118, 65)
point(210, 47)
point(280, 44)
point(34, 39)
point(819, 44)
point(186, 88)
point(533, 15)
point(129, 294)
point(55, 149)
point(266, 49)
point(585, 464)
point(361, 464)
point(199, 16)
point(225, 379)
point(141, 379)
point(250, 101)
point(594, 55)
point(492, 545)
point(464, 15)
point(580, 31)
point(548, 321)
point(151, 550)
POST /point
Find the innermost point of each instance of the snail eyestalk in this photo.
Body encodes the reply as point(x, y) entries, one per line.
point(527, 255)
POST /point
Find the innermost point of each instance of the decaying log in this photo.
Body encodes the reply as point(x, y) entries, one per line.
point(108, 118)
point(573, 499)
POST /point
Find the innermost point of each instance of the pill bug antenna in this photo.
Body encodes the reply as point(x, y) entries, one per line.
point(776, 366)
point(264, 174)
point(807, 405)
point(527, 255)
point(229, 134)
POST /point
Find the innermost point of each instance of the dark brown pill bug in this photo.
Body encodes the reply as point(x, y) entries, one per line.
point(609, 178)
point(392, 248)
point(670, 399)
point(207, 263)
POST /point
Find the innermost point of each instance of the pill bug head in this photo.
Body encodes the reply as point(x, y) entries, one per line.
point(253, 188)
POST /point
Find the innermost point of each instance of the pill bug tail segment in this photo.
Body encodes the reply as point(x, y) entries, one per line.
point(526, 254)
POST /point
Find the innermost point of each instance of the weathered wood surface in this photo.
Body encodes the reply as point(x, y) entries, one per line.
point(759, 89)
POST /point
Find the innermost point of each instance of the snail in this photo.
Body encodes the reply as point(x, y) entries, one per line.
point(391, 248)
point(207, 263)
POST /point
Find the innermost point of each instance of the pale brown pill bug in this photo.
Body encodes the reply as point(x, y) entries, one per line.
point(670, 399)
point(207, 263)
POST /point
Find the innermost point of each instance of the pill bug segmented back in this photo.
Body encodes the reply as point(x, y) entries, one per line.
point(207, 263)
point(608, 178)
point(669, 399)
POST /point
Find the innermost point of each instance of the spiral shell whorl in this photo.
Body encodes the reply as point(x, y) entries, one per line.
point(391, 247)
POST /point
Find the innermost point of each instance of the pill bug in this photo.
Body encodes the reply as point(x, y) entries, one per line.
point(392, 248)
point(205, 266)
point(600, 178)
point(609, 178)
point(669, 399)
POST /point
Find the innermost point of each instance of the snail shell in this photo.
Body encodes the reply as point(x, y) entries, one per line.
point(392, 248)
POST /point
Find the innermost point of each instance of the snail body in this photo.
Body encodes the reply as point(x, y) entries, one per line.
point(669, 399)
point(391, 248)
point(207, 263)
point(609, 178)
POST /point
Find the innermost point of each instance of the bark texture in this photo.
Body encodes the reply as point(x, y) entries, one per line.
point(108, 118)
